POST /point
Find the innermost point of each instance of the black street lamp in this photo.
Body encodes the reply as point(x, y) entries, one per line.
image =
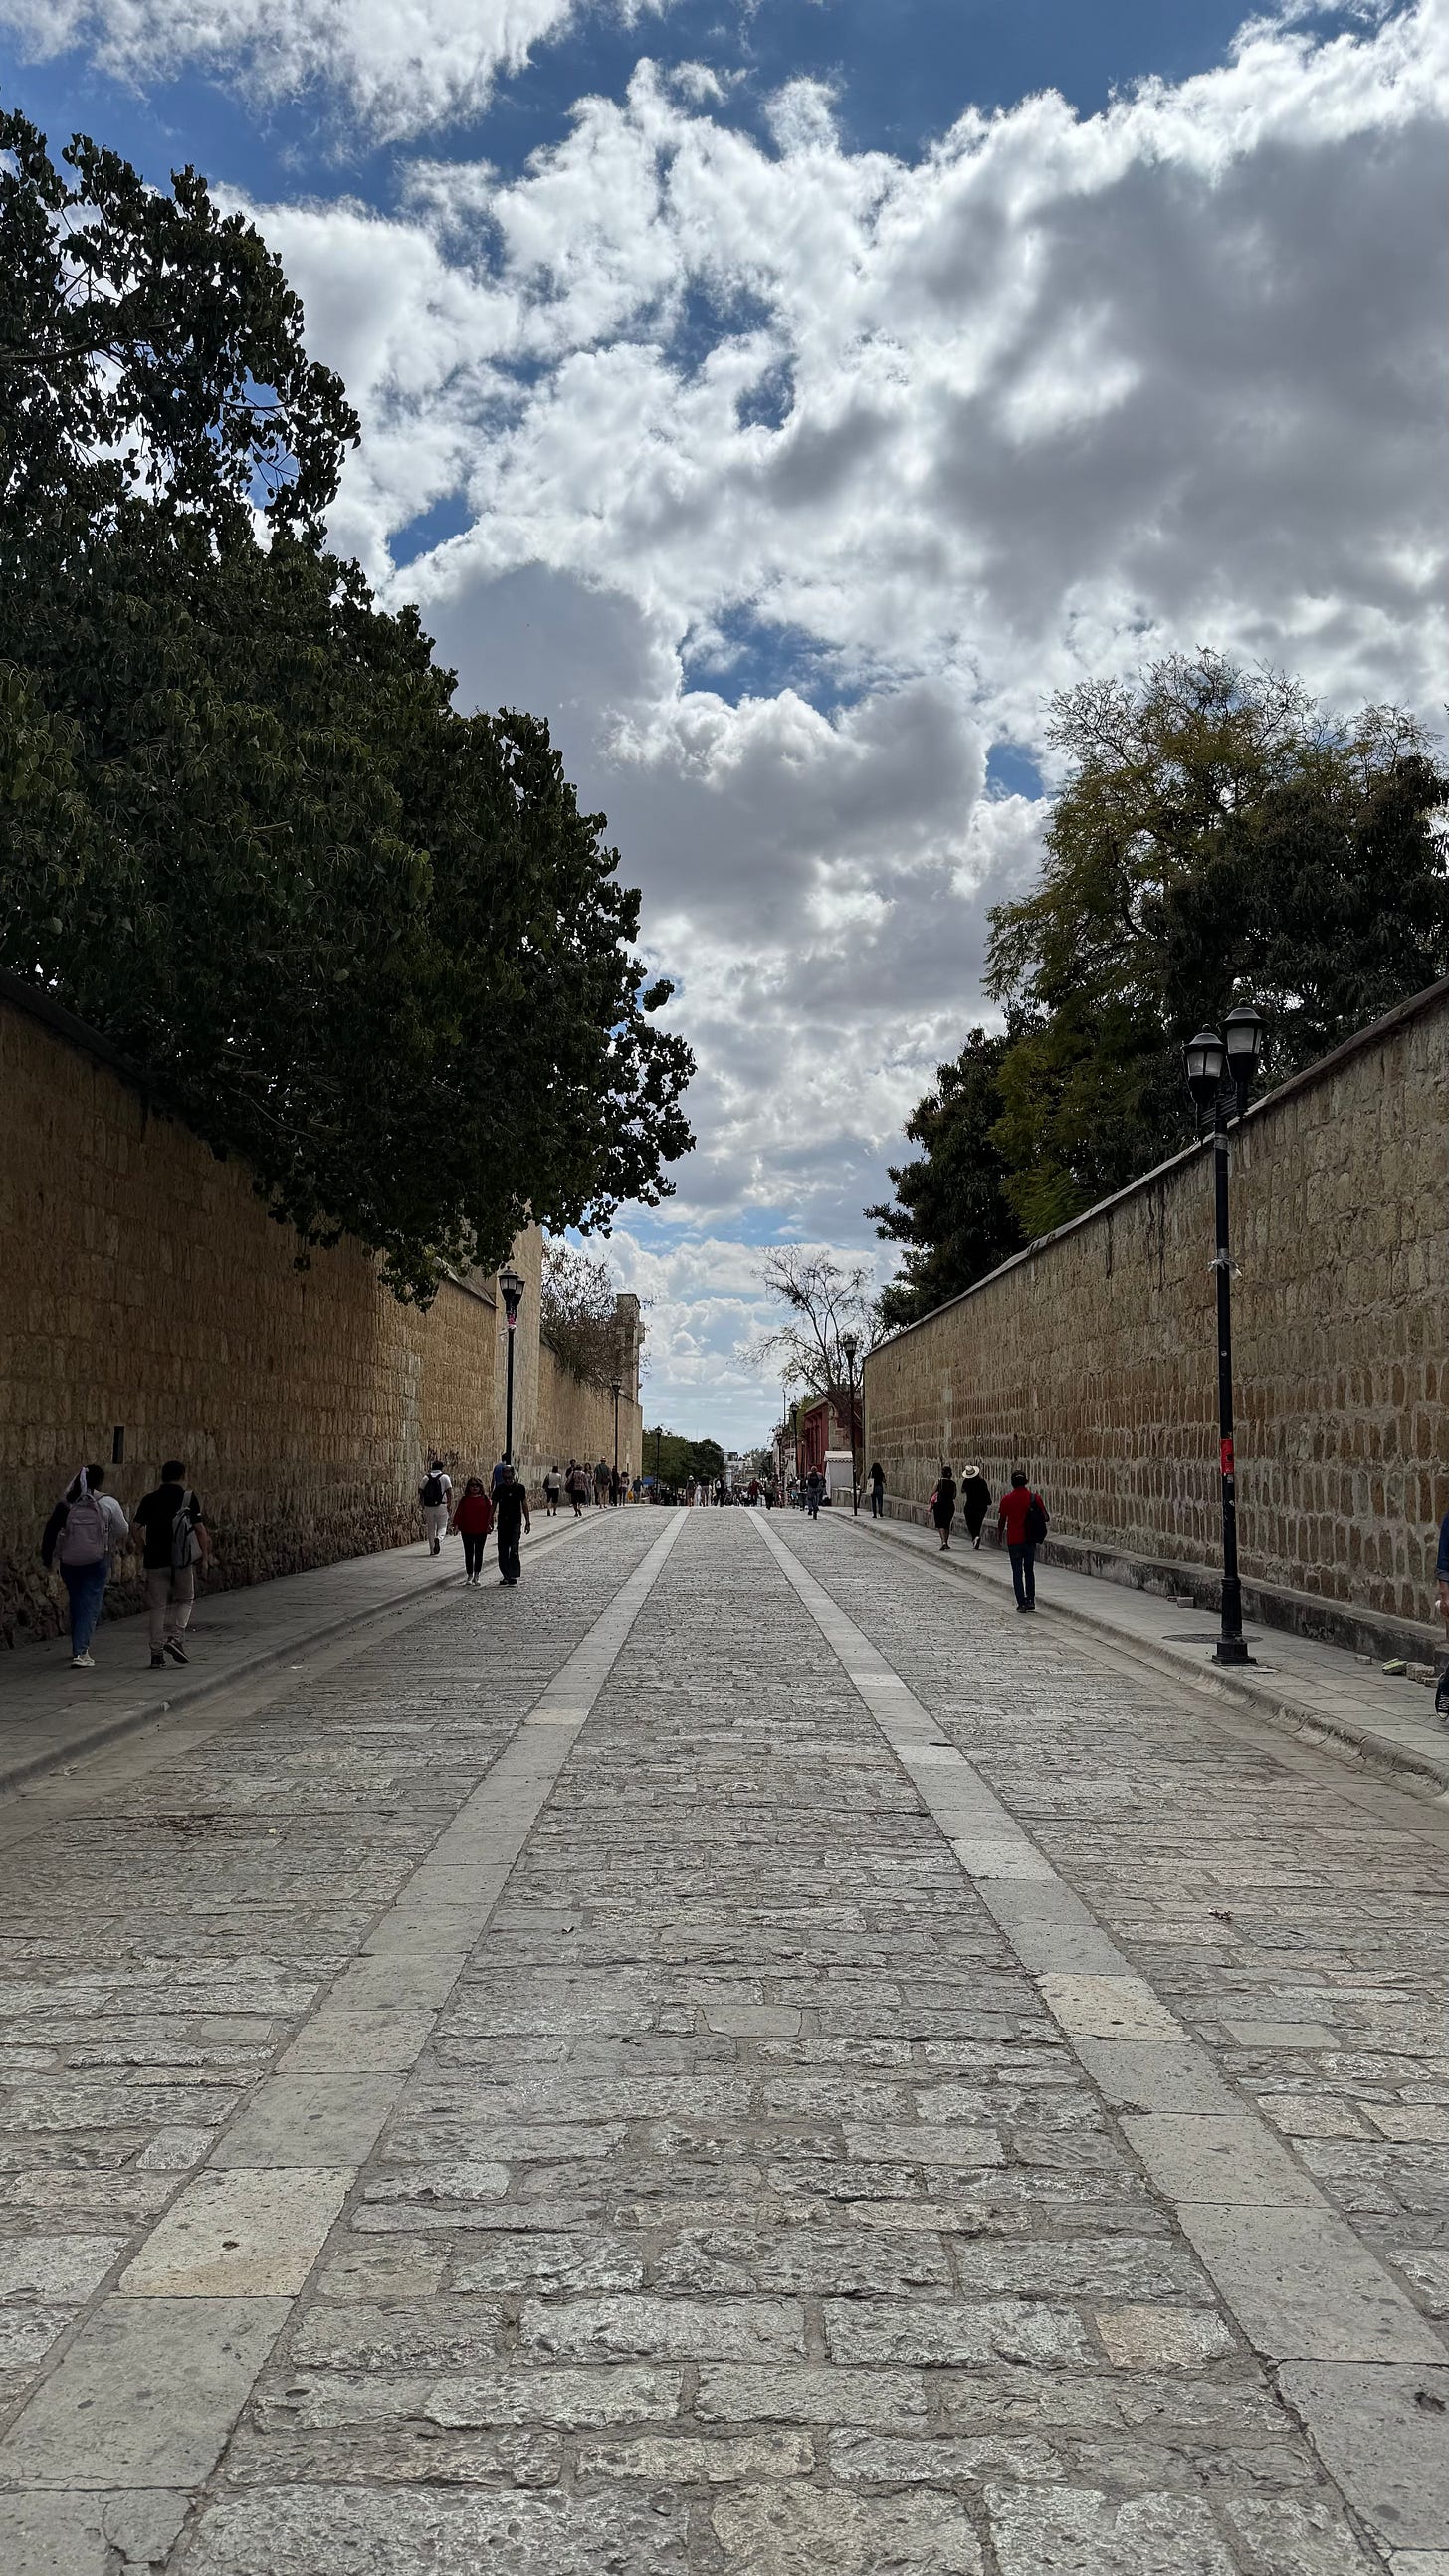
point(510, 1289)
point(616, 1390)
point(850, 1344)
point(1210, 1061)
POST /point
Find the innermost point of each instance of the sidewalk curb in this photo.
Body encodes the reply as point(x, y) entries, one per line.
point(1418, 1775)
point(16, 1774)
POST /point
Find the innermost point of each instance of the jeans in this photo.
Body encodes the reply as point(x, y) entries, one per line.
point(1023, 1572)
point(877, 1503)
point(508, 1564)
point(435, 1524)
point(170, 1592)
point(473, 1547)
point(85, 1589)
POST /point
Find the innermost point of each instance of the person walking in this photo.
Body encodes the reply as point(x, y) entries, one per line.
point(601, 1484)
point(1441, 1577)
point(877, 1492)
point(86, 1530)
point(943, 1506)
point(975, 1501)
point(435, 1493)
point(1022, 1520)
point(473, 1519)
point(552, 1488)
point(814, 1493)
point(176, 1542)
point(577, 1488)
point(510, 1513)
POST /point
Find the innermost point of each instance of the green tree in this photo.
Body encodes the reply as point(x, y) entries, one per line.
point(681, 1461)
point(369, 944)
point(950, 1207)
point(1218, 837)
point(577, 1313)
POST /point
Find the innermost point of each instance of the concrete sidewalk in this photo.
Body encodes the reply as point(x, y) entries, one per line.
point(1317, 1693)
point(50, 1715)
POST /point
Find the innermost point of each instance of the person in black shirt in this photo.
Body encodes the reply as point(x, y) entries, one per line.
point(170, 1520)
point(510, 1510)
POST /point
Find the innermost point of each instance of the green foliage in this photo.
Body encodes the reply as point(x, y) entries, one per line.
point(950, 1207)
point(681, 1461)
point(367, 943)
point(1218, 839)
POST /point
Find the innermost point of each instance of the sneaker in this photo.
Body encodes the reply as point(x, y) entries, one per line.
point(158, 1662)
point(177, 1651)
point(83, 1663)
point(1021, 1609)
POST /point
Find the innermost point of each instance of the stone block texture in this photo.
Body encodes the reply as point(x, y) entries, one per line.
point(1092, 1358)
point(147, 1288)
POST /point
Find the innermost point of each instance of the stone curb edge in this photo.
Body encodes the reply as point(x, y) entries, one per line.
point(17, 1774)
point(1418, 1775)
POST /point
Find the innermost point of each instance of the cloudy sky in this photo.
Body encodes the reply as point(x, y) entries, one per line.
point(785, 397)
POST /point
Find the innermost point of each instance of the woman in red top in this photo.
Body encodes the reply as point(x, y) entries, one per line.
point(473, 1519)
point(1022, 1518)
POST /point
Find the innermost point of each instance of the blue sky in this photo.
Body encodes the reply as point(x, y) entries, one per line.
point(787, 399)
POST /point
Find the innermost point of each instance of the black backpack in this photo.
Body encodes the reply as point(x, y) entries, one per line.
point(1037, 1523)
point(431, 1494)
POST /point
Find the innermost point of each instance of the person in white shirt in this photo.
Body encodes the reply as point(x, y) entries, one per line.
point(86, 1530)
point(435, 1493)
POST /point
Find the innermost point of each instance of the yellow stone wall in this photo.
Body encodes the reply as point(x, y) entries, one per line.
point(146, 1286)
point(1092, 1358)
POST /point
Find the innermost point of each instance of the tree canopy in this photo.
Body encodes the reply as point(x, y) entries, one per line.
point(1218, 838)
point(578, 1314)
point(825, 1301)
point(367, 943)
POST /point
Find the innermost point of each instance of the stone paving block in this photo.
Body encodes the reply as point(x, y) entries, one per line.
point(689, 2459)
point(808, 2393)
point(340, 2039)
point(332, 2531)
point(436, 2334)
point(1157, 2075)
point(422, 1980)
point(1108, 2008)
point(534, 2392)
point(1383, 2434)
point(1289, 2538)
point(787, 2531)
point(907, 2330)
point(1074, 2532)
point(1209, 2156)
point(1003, 1856)
point(233, 2234)
point(146, 2395)
point(56, 2267)
point(1303, 2287)
point(938, 2459)
point(665, 2329)
point(1281, 2034)
point(1045, 1900)
point(754, 2021)
point(1050, 1947)
point(89, 2535)
point(1158, 2338)
point(318, 2120)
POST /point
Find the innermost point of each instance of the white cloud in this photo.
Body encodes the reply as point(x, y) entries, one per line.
point(402, 64)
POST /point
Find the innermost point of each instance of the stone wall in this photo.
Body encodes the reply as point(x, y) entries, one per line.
point(146, 1288)
point(1091, 1358)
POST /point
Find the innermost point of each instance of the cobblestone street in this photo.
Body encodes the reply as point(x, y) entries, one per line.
point(743, 2057)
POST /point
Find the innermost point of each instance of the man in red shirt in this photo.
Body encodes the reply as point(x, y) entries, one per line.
point(1022, 1518)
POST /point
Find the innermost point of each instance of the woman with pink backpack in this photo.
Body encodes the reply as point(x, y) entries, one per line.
point(85, 1530)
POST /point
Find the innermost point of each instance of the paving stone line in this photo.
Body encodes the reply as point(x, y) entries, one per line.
point(1362, 2369)
point(143, 2400)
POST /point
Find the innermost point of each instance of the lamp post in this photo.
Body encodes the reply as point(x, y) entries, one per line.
point(616, 1390)
point(510, 1289)
point(850, 1344)
point(1209, 1059)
